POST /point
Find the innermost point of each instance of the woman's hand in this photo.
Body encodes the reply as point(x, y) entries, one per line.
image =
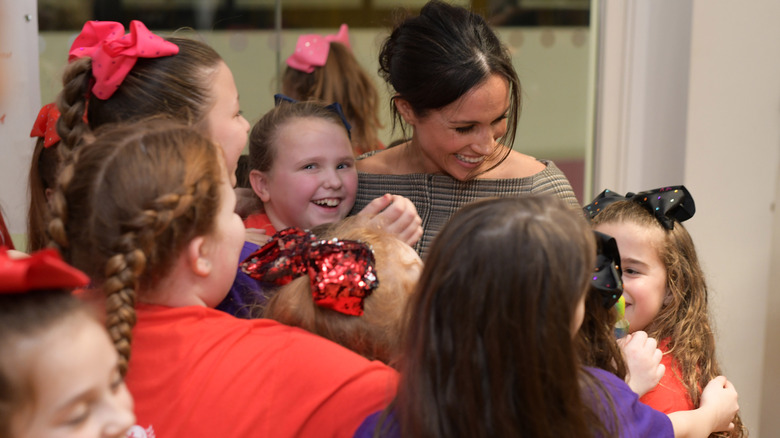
point(396, 215)
point(643, 359)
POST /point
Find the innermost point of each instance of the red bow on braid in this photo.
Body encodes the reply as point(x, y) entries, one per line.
point(341, 272)
point(46, 125)
point(41, 270)
point(114, 54)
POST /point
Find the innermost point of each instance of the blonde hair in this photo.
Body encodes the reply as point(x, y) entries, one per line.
point(127, 205)
point(341, 80)
point(684, 317)
point(375, 334)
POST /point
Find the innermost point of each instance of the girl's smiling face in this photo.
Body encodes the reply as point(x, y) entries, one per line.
point(460, 139)
point(313, 179)
point(78, 389)
point(644, 274)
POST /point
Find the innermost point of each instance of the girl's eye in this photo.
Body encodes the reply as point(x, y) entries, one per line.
point(80, 416)
point(464, 129)
point(630, 271)
point(344, 166)
point(239, 113)
point(309, 166)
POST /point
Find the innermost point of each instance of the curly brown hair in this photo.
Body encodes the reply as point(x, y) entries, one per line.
point(684, 317)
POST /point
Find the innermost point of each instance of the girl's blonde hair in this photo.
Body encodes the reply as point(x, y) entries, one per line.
point(341, 80)
point(375, 334)
point(684, 317)
point(127, 205)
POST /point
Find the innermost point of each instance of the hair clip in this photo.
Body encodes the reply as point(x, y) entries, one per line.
point(312, 50)
point(607, 277)
point(45, 125)
point(341, 272)
point(114, 54)
point(42, 270)
point(666, 204)
point(333, 107)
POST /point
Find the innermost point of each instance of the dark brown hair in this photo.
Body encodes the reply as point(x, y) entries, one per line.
point(128, 204)
point(177, 86)
point(488, 350)
point(341, 80)
point(433, 59)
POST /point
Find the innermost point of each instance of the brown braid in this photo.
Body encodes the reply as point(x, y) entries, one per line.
point(72, 103)
point(128, 204)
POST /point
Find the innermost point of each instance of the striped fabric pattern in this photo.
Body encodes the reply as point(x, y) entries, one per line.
point(438, 197)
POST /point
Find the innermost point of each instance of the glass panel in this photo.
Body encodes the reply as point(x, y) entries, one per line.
point(549, 40)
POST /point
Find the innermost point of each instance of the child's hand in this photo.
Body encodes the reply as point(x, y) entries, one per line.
point(396, 215)
point(257, 236)
point(720, 398)
point(643, 360)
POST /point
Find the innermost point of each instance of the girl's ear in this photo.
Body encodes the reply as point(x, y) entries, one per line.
point(259, 182)
point(197, 258)
point(405, 110)
point(667, 297)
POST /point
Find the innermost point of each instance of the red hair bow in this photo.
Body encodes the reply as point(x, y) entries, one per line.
point(41, 270)
point(312, 49)
point(46, 125)
point(341, 272)
point(114, 54)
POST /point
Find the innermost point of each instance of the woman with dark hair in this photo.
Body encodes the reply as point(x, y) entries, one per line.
point(455, 85)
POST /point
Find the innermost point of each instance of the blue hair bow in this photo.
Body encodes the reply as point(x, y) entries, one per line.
point(335, 107)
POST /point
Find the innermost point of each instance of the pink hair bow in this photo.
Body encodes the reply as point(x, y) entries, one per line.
point(114, 54)
point(46, 125)
point(41, 270)
point(312, 49)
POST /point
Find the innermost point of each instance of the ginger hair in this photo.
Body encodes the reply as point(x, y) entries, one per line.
point(374, 335)
point(341, 80)
point(127, 205)
point(684, 318)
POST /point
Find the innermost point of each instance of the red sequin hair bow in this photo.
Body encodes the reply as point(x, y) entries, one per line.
point(312, 50)
point(341, 272)
point(46, 125)
point(42, 270)
point(114, 54)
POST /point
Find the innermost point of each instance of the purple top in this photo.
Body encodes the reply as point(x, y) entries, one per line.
point(635, 418)
point(246, 292)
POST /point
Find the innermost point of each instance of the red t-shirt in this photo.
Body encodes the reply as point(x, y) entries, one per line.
point(199, 372)
point(260, 221)
point(670, 394)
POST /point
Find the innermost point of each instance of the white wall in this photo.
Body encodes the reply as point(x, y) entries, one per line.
point(19, 104)
point(725, 85)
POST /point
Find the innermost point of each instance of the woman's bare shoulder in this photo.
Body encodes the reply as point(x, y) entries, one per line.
point(516, 165)
point(385, 162)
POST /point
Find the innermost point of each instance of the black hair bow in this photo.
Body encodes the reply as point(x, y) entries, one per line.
point(666, 204)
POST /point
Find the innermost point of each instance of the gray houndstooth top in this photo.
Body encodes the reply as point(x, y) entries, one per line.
point(437, 197)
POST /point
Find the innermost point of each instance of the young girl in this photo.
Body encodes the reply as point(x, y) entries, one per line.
point(147, 211)
point(324, 68)
point(303, 170)
point(59, 373)
point(373, 331)
point(43, 174)
point(463, 375)
point(665, 289)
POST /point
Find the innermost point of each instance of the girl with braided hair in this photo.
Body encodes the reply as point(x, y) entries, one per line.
point(147, 210)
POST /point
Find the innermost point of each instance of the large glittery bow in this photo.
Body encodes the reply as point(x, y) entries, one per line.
point(341, 272)
point(42, 270)
point(45, 125)
point(114, 54)
point(335, 107)
point(607, 277)
point(666, 204)
point(312, 50)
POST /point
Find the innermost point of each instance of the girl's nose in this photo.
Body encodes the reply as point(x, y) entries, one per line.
point(119, 416)
point(332, 180)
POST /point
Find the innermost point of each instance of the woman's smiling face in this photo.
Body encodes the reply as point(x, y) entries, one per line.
point(460, 139)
